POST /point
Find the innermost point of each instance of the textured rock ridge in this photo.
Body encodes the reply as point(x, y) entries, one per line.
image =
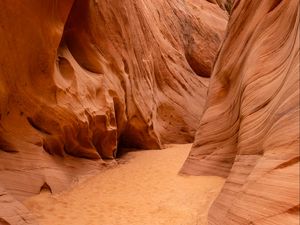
point(249, 131)
point(80, 78)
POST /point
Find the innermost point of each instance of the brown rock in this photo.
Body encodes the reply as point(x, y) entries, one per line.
point(249, 131)
point(80, 78)
point(224, 4)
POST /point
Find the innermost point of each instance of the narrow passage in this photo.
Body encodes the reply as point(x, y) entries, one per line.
point(145, 189)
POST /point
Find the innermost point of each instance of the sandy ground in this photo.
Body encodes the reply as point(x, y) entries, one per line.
point(143, 190)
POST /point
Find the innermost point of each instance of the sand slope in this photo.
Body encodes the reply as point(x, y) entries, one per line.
point(143, 189)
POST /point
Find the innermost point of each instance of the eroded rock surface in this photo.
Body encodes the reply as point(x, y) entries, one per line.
point(13, 212)
point(249, 131)
point(80, 78)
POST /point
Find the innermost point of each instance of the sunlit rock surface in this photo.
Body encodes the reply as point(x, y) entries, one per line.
point(249, 131)
point(80, 78)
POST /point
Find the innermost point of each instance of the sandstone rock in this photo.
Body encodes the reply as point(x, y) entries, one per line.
point(249, 131)
point(80, 78)
point(13, 212)
point(224, 4)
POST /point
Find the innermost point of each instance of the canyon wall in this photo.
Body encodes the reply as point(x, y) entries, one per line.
point(249, 132)
point(78, 79)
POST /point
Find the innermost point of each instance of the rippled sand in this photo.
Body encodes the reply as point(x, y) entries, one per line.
point(144, 189)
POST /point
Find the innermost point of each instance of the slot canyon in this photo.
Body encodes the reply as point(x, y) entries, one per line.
point(149, 112)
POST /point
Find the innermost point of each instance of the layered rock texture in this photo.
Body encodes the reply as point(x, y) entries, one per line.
point(249, 131)
point(12, 211)
point(80, 78)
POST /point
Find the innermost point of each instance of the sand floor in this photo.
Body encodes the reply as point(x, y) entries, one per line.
point(143, 190)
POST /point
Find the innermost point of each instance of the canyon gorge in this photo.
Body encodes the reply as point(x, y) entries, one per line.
point(105, 96)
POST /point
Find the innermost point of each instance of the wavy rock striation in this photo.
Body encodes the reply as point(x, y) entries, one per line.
point(80, 78)
point(249, 131)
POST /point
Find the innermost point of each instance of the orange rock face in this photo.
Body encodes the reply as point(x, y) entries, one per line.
point(80, 78)
point(249, 131)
